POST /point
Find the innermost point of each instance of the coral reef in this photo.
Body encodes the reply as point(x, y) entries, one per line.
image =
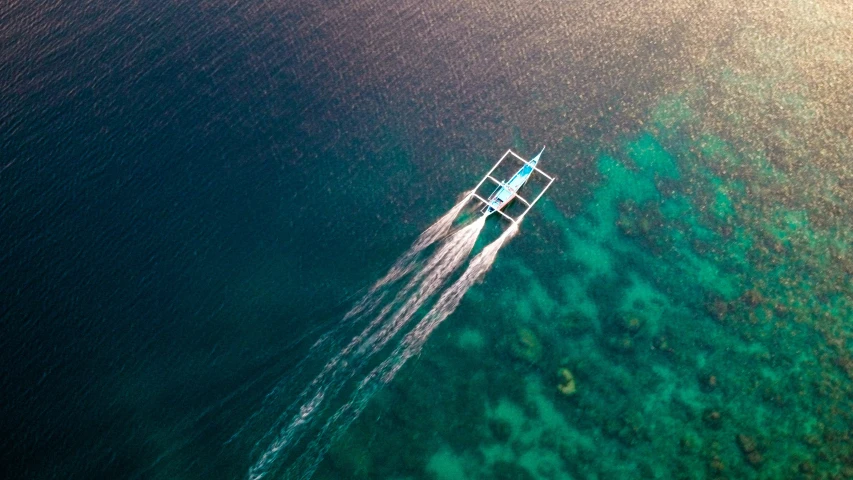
point(707, 289)
point(525, 346)
point(567, 384)
point(749, 447)
point(712, 418)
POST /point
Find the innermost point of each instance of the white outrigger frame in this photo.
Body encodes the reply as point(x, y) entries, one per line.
point(517, 220)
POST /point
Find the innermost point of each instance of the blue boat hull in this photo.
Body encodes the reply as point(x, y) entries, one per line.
point(507, 191)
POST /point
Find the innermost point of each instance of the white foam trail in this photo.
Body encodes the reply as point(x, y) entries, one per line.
point(449, 300)
point(355, 355)
point(406, 262)
point(440, 266)
point(307, 463)
point(367, 305)
point(442, 263)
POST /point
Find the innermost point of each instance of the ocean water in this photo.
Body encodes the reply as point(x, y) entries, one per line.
point(192, 193)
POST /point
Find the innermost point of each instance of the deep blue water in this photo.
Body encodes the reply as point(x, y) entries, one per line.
point(188, 187)
point(161, 241)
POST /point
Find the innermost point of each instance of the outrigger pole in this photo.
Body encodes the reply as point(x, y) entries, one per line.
point(517, 220)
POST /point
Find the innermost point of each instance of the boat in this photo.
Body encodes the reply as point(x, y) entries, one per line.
point(506, 192)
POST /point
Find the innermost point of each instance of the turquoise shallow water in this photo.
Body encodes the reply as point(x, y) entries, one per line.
point(193, 193)
point(669, 328)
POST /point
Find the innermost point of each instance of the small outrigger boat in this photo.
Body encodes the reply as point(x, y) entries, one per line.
point(506, 192)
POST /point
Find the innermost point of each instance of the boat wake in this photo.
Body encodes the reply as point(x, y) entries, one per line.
point(300, 435)
point(331, 340)
point(407, 261)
